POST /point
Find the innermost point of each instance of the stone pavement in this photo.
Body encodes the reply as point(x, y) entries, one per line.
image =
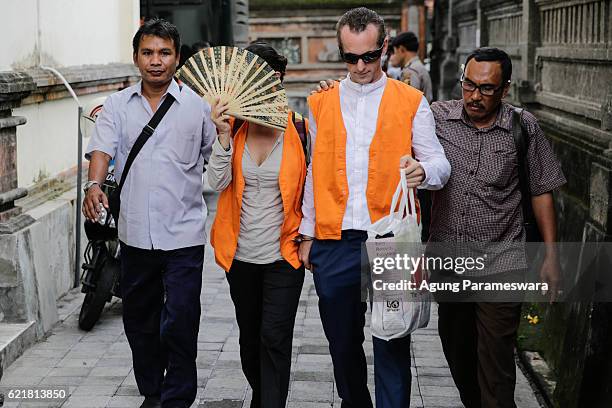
point(96, 366)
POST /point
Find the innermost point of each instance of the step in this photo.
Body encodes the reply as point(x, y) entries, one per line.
point(15, 338)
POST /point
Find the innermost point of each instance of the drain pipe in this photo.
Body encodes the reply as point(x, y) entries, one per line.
point(77, 255)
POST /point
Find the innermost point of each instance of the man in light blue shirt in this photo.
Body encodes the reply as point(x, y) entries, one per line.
point(162, 215)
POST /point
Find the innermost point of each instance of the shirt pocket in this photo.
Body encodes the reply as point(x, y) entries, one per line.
point(130, 131)
point(184, 145)
point(497, 167)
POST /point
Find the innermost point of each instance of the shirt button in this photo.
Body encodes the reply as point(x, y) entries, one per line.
point(471, 172)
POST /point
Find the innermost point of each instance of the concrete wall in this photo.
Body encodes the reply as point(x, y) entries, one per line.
point(63, 33)
point(38, 264)
point(89, 42)
point(78, 36)
point(47, 143)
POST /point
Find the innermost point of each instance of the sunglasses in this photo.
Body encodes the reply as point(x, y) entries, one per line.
point(366, 57)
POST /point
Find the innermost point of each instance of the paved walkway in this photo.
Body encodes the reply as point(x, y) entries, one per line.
point(96, 366)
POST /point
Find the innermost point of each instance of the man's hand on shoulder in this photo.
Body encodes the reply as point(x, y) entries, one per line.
point(415, 174)
point(325, 85)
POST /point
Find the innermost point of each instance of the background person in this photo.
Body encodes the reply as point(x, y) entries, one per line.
point(405, 51)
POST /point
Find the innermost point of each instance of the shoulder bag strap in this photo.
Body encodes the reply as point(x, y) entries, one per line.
point(522, 145)
point(146, 133)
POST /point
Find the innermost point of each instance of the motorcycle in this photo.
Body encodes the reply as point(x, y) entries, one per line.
point(102, 268)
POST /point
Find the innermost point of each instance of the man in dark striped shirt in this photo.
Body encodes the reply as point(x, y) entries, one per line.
point(481, 203)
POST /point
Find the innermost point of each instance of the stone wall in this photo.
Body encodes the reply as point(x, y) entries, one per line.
point(562, 72)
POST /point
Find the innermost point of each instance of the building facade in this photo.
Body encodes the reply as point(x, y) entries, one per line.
point(305, 32)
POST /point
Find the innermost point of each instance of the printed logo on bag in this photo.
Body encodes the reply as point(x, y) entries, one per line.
point(393, 304)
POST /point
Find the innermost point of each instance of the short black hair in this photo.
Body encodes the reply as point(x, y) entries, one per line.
point(493, 54)
point(159, 28)
point(408, 39)
point(200, 45)
point(275, 60)
point(357, 20)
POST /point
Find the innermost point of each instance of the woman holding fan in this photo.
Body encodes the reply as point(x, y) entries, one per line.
point(260, 172)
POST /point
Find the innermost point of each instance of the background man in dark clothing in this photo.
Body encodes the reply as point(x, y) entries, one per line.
point(405, 49)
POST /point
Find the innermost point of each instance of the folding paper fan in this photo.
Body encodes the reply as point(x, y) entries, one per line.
point(240, 78)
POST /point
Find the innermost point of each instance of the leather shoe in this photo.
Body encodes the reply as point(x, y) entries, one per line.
point(151, 402)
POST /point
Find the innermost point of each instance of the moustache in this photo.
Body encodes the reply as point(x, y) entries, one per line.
point(475, 105)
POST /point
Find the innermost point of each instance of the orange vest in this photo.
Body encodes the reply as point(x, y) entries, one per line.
point(226, 227)
point(391, 141)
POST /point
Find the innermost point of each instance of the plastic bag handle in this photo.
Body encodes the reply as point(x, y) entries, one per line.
point(396, 196)
point(409, 197)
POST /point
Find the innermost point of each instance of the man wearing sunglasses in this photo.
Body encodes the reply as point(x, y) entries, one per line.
point(482, 203)
point(362, 131)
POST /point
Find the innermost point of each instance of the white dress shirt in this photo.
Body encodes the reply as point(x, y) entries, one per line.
point(359, 106)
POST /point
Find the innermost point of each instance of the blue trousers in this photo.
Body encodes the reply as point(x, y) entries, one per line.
point(161, 317)
point(337, 276)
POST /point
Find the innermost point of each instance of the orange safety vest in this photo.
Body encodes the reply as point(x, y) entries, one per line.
point(226, 227)
point(391, 141)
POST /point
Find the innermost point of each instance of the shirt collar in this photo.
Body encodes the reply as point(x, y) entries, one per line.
point(366, 88)
point(173, 89)
point(415, 58)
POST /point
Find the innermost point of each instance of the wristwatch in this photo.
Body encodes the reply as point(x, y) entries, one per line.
point(89, 185)
point(301, 238)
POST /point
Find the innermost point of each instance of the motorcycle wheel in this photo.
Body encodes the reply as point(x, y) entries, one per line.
point(94, 302)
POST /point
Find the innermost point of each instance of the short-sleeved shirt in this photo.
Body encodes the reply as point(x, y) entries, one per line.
point(416, 75)
point(481, 202)
point(161, 202)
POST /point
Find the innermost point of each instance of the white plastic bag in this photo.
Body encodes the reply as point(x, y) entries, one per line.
point(398, 313)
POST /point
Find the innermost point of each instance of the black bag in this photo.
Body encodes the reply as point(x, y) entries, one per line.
point(107, 231)
point(300, 126)
point(522, 145)
point(114, 199)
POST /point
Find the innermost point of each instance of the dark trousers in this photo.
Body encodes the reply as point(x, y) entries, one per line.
point(478, 340)
point(266, 298)
point(161, 317)
point(337, 277)
point(425, 203)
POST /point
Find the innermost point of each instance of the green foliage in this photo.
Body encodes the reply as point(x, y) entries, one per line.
point(530, 334)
